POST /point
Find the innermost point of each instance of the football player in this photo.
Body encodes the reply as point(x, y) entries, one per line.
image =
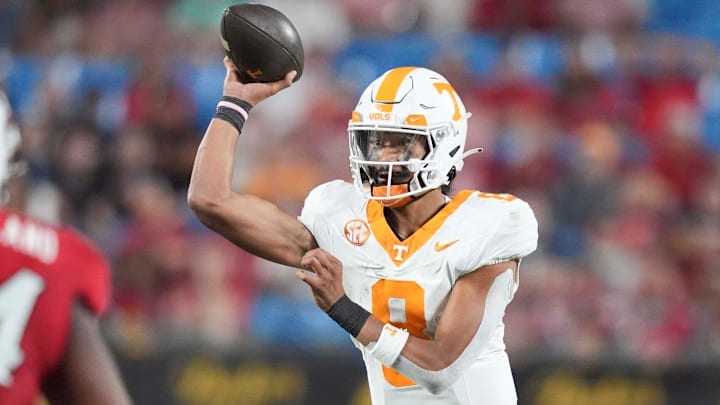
point(418, 278)
point(53, 286)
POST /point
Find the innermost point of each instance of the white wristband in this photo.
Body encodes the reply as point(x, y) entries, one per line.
point(390, 344)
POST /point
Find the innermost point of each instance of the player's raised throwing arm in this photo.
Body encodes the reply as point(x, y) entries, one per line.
point(251, 223)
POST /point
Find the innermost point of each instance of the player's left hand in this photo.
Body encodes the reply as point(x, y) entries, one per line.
point(326, 282)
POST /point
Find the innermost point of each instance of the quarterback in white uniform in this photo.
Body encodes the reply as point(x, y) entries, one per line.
point(418, 278)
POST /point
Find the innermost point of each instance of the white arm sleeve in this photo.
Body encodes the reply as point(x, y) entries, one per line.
point(500, 294)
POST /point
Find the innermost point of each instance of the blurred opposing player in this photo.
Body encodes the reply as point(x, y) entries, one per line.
point(420, 279)
point(53, 285)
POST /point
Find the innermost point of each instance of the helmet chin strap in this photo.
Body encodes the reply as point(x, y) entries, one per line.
point(467, 153)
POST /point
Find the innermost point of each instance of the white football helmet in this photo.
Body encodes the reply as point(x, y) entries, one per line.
point(403, 109)
point(9, 143)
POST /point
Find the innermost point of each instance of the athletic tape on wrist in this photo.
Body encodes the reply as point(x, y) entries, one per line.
point(349, 315)
point(390, 344)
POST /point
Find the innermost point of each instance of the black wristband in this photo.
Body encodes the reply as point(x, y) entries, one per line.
point(349, 315)
point(232, 117)
point(234, 111)
point(242, 103)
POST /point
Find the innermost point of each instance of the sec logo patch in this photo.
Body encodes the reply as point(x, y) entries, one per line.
point(357, 231)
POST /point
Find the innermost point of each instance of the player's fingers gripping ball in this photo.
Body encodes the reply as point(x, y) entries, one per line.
point(261, 42)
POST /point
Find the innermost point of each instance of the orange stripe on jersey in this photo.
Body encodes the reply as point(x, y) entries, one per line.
point(399, 251)
point(386, 96)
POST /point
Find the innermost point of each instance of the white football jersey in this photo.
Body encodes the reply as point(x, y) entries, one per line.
point(407, 283)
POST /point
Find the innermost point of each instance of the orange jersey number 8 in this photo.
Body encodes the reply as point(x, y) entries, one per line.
point(402, 304)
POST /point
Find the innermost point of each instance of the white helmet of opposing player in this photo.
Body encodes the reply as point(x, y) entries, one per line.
point(405, 108)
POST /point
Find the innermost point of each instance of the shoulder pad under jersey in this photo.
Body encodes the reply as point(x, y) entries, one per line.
point(506, 229)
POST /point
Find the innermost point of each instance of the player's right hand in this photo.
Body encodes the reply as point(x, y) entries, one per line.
point(253, 93)
point(326, 283)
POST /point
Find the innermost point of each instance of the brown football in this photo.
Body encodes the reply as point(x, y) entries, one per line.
point(262, 42)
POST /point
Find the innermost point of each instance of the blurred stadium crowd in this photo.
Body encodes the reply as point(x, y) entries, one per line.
point(603, 115)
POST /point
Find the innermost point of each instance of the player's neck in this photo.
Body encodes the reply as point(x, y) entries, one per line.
point(409, 218)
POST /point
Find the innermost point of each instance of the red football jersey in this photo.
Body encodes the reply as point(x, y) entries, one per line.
point(44, 270)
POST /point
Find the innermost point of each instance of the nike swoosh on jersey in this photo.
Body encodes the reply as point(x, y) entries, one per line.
point(442, 246)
